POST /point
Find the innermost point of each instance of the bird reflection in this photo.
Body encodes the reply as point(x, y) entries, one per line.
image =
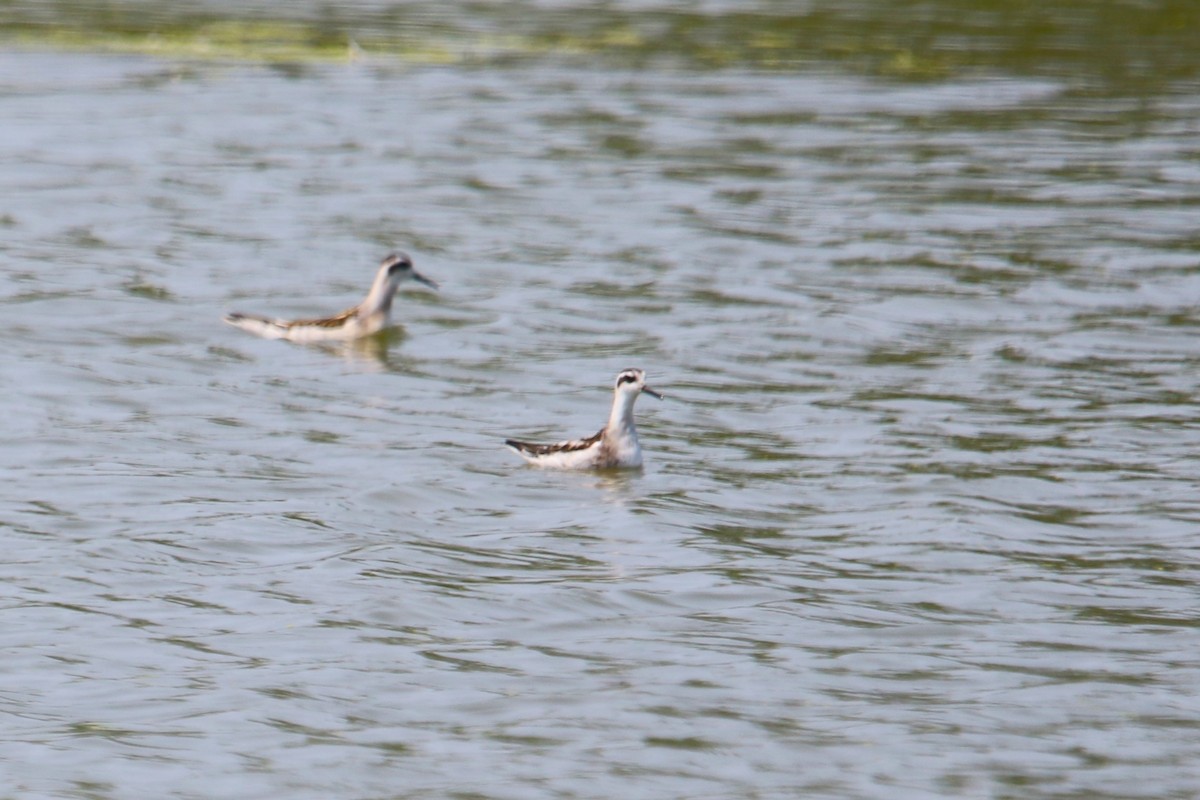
point(370, 353)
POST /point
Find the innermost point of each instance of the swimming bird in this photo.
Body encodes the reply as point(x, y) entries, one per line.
point(370, 316)
point(616, 445)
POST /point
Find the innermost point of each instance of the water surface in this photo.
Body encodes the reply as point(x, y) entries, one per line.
point(918, 515)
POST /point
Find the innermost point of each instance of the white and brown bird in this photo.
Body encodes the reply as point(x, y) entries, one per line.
point(370, 316)
point(616, 445)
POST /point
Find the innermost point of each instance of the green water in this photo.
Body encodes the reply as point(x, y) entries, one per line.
point(1119, 47)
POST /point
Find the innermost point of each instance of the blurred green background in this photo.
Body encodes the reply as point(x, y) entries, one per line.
point(1122, 47)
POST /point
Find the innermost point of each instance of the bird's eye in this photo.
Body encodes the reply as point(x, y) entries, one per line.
point(627, 378)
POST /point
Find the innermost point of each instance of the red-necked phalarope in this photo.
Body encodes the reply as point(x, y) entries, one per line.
point(370, 316)
point(616, 445)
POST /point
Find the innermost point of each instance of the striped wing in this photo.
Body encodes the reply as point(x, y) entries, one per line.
point(336, 321)
point(569, 446)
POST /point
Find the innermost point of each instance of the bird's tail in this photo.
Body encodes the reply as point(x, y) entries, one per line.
point(259, 326)
point(523, 449)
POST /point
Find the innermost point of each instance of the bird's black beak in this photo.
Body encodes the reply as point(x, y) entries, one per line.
point(419, 278)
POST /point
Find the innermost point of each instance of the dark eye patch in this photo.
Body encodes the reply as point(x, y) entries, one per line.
point(626, 378)
point(399, 265)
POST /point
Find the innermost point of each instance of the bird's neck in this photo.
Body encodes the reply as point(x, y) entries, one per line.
point(620, 419)
point(379, 299)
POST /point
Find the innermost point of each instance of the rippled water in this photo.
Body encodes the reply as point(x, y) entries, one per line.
point(918, 517)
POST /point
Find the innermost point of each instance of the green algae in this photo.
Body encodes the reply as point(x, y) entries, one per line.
point(1109, 46)
point(240, 40)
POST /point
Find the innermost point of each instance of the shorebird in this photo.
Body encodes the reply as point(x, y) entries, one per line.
point(370, 316)
point(616, 445)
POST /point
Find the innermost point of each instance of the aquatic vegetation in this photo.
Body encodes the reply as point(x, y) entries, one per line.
point(1112, 45)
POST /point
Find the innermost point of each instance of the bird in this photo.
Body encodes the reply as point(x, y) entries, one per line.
point(616, 445)
point(370, 316)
